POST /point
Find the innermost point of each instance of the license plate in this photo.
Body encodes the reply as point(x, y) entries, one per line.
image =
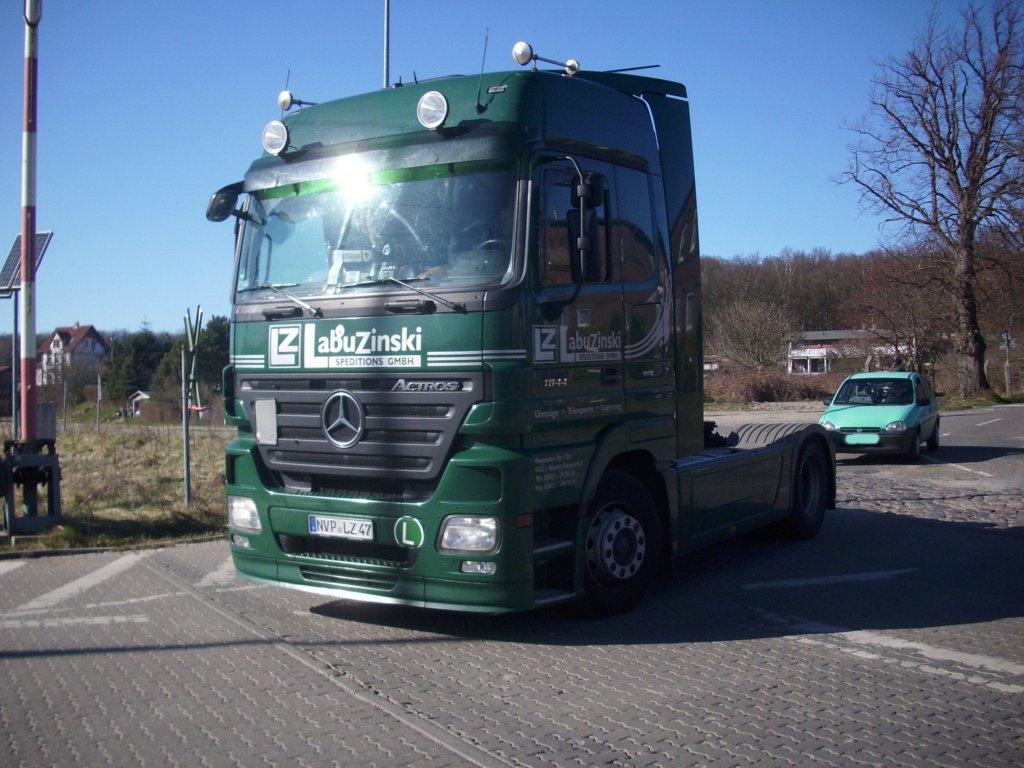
point(865, 439)
point(341, 527)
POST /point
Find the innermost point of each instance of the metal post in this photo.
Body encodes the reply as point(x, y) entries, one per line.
point(387, 42)
point(184, 425)
point(33, 11)
point(15, 389)
point(1007, 339)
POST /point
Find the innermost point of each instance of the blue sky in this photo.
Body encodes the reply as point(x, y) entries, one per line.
point(146, 108)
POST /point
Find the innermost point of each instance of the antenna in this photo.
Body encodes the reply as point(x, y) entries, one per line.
point(287, 82)
point(480, 108)
point(635, 69)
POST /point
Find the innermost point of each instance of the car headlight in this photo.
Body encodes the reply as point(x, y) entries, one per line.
point(895, 426)
point(828, 425)
point(462, 533)
point(242, 513)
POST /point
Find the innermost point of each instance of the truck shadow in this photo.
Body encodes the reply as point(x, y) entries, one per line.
point(866, 570)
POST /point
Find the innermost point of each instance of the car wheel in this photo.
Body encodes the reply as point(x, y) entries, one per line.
point(622, 545)
point(933, 441)
point(810, 492)
point(913, 453)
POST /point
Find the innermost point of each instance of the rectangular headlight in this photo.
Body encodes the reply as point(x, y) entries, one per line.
point(242, 513)
point(462, 533)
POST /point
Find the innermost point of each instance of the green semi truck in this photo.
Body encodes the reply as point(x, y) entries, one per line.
point(466, 356)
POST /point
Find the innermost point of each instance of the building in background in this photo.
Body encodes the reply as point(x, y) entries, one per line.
point(78, 348)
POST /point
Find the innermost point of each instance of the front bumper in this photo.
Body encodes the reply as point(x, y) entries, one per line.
point(883, 443)
point(481, 482)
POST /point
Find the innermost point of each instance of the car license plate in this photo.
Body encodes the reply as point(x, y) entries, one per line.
point(341, 527)
point(865, 439)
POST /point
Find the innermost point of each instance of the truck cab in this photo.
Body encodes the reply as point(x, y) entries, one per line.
point(466, 364)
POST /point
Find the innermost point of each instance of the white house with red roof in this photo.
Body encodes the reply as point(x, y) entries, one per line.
point(78, 346)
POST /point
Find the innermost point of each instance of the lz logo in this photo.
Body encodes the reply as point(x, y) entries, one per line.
point(545, 343)
point(284, 346)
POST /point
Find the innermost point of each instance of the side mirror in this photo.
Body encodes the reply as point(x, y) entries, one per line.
point(222, 202)
point(589, 192)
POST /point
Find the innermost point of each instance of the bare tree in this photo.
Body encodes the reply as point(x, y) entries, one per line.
point(749, 332)
point(940, 154)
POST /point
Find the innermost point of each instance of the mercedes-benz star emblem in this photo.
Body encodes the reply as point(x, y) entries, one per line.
point(342, 419)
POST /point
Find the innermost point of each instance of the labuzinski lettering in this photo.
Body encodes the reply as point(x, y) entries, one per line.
point(368, 342)
point(594, 342)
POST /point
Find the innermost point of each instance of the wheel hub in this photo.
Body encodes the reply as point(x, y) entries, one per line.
point(616, 545)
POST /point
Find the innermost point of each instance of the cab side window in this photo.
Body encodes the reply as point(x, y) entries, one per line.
point(634, 225)
point(564, 218)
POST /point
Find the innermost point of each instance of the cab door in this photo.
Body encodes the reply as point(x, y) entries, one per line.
point(575, 317)
point(648, 375)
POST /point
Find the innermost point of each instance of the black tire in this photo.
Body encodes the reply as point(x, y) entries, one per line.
point(933, 441)
point(622, 547)
point(913, 454)
point(810, 492)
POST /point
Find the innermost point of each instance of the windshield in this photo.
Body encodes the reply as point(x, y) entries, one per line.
point(875, 392)
point(364, 229)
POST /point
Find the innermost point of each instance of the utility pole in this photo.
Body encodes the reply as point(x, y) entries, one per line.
point(33, 13)
point(30, 462)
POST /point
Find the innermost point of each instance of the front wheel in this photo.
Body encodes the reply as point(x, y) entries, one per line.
point(623, 542)
point(810, 492)
point(913, 454)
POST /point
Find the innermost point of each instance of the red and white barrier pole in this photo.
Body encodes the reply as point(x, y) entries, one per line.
point(33, 12)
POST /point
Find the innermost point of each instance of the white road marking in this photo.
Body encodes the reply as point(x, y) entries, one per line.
point(72, 588)
point(6, 566)
point(986, 423)
point(135, 600)
point(853, 641)
point(818, 580)
point(53, 623)
point(933, 460)
point(223, 574)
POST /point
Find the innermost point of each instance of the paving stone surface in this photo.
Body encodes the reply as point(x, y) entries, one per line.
point(894, 638)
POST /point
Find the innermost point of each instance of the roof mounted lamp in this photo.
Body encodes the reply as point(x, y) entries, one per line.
point(432, 110)
point(523, 53)
point(286, 100)
point(275, 137)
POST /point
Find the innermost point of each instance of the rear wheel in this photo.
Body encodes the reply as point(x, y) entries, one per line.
point(622, 545)
point(810, 492)
point(933, 441)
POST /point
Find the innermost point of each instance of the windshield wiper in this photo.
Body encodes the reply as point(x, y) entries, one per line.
point(314, 311)
point(453, 305)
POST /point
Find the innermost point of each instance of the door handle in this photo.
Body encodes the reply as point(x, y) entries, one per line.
point(610, 376)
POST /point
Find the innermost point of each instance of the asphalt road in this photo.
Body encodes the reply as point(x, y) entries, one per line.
point(896, 637)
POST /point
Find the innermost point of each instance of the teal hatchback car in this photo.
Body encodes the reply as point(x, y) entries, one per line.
point(888, 413)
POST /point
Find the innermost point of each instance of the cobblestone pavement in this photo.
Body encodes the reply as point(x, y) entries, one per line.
point(894, 638)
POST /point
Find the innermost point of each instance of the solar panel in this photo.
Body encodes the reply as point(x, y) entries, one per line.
point(10, 275)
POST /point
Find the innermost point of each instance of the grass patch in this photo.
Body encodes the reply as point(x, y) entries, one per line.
point(124, 486)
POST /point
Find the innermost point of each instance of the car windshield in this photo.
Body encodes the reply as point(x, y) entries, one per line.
point(875, 392)
point(442, 226)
